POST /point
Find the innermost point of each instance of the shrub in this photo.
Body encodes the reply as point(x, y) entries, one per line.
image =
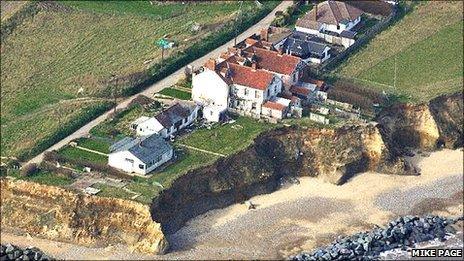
point(29, 170)
point(50, 167)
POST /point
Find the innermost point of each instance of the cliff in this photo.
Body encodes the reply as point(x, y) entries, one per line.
point(63, 215)
point(332, 154)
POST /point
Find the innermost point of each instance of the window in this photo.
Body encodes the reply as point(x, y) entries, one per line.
point(141, 166)
point(294, 77)
point(338, 26)
point(129, 160)
point(246, 91)
point(256, 94)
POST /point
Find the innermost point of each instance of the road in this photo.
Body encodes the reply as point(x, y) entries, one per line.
point(166, 82)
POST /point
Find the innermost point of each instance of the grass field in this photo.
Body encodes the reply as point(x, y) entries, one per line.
point(9, 8)
point(99, 145)
point(427, 47)
point(89, 46)
point(79, 154)
point(176, 93)
point(228, 138)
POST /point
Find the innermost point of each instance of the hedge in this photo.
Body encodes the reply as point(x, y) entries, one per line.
point(65, 130)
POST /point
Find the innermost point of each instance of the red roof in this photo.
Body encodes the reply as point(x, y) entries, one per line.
point(273, 61)
point(246, 76)
point(274, 106)
point(300, 90)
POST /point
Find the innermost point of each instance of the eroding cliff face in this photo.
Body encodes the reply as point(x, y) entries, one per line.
point(447, 110)
point(59, 214)
point(408, 126)
point(332, 154)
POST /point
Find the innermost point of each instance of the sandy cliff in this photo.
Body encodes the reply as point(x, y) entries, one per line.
point(59, 214)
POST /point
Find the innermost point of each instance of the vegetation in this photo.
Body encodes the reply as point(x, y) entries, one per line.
point(176, 93)
point(426, 46)
point(74, 153)
point(49, 178)
point(99, 145)
point(227, 138)
point(29, 170)
point(60, 59)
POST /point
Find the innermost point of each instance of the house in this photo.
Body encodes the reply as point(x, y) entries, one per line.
point(211, 91)
point(306, 47)
point(254, 54)
point(140, 155)
point(332, 21)
point(229, 85)
point(168, 122)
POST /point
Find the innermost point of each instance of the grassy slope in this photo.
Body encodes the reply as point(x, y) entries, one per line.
point(427, 45)
point(51, 56)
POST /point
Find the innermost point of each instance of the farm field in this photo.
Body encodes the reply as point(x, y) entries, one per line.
point(427, 47)
point(56, 63)
point(9, 8)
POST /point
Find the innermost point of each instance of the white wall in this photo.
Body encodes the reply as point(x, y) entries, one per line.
point(149, 127)
point(209, 89)
point(121, 160)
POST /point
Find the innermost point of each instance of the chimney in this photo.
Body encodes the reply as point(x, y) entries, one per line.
point(211, 64)
point(281, 50)
point(264, 34)
point(254, 65)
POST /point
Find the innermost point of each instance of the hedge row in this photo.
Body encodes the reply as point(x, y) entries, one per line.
point(65, 130)
point(53, 157)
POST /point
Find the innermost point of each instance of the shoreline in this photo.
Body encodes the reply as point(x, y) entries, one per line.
point(300, 217)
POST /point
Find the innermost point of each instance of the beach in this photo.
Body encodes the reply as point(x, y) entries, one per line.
point(299, 217)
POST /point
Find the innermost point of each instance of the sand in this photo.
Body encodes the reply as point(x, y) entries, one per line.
point(304, 216)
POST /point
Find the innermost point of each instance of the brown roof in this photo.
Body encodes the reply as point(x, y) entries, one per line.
point(173, 114)
point(246, 76)
point(329, 12)
point(300, 90)
point(274, 106)
point(273, 61)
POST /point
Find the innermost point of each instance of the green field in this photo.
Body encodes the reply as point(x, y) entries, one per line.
point(79, 154)
point(427, 48)
point(99, 145)
point(55, 63)
point(176, 93)
point(227, 138)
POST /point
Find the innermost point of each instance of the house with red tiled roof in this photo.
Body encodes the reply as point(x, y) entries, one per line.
point(229, 85)
point(331, 20)
point(289, 68)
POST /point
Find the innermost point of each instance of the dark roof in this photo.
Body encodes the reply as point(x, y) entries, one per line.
point(146, 149)
point(301, 44)
point(173, 114)
point(348, 34)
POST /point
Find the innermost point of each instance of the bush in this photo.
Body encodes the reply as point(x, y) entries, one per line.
point(50, 167)
point(29, 170)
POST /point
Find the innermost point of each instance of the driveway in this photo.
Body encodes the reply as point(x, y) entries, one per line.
point(166, 82)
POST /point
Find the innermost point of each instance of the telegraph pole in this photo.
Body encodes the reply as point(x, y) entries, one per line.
point(236, 21)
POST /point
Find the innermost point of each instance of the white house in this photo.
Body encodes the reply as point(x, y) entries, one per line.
point(168, 122)
point(141, 155)
point(331, 20)
point(211, 91)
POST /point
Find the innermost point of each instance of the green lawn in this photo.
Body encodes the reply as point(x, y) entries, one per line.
point(175, 93)
point(75, 153)
point(228, 138)
point(55, 63)
point(95, 144)
point(427, 47)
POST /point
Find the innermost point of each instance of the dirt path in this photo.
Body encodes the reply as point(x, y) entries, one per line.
point(168, 81)
point(302, 216)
